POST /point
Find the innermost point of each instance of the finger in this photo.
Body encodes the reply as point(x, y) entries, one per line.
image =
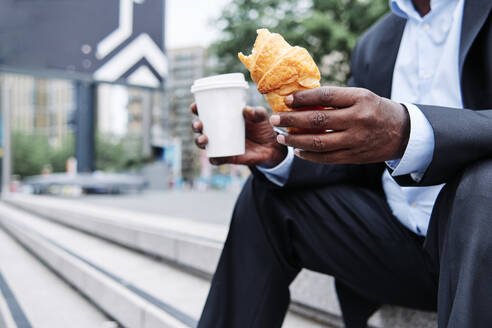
point(194, 109)
point(220, 160)
point(327, 142)
point(330, 119)
point(255, 114)
point(197, 126)
point(335, 157)
point(201, 141)
point(323, 96)
point(245, 159)
point(224, 160)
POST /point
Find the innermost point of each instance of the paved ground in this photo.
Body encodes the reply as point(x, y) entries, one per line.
point(207, 206)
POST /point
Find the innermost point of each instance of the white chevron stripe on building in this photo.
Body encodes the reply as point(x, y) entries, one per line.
point(118, 36)
point(143, 76)
point(141, 47)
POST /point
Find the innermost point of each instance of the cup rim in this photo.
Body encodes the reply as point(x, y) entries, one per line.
point(229, 80)
point(195, 89)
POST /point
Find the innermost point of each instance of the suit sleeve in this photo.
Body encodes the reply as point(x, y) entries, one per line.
point(461, 137)
point(420, 147)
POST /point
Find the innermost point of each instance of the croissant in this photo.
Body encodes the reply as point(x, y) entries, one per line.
point(279, 69)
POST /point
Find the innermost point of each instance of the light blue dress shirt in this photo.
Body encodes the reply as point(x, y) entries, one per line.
point(426, 72)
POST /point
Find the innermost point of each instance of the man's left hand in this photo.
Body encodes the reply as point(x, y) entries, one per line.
point(365, 128)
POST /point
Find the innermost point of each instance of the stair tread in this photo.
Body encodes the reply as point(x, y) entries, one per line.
point(46, 300)
point(176, 288)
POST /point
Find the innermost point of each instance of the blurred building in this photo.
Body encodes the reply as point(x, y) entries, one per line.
point(124, 46)
point(185, 66)
point(40, 107)
point(130, 127)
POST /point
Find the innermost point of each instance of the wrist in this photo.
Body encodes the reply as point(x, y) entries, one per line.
point(405, 130)
point(276, 156)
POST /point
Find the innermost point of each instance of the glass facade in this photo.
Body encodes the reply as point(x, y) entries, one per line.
point(41, 117)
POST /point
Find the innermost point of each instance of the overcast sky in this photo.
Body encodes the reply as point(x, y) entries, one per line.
point(188, 22)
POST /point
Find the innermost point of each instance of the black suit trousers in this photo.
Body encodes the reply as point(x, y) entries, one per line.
point(349, 232)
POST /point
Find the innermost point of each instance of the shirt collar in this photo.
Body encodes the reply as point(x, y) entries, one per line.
point(405, 8)
point(437, 22)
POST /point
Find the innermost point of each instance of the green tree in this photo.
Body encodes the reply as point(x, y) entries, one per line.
point(33, 153)
point(115, 154)
point(329, 30)
point(59, 156)
point(30, 154)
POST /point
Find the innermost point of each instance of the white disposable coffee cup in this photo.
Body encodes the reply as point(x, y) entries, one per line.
point(220, 100)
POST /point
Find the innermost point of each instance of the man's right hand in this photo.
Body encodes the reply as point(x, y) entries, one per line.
point(262, 147)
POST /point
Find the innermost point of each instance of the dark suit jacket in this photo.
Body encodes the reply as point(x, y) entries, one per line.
point(461, 136)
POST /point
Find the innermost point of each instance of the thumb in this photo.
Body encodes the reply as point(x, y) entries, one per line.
point(247, 158)
point(255, 114)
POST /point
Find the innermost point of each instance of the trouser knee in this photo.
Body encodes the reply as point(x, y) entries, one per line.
point(468, 225)
point(476, 180)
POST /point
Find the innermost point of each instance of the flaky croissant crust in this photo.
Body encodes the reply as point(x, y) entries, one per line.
point(279, 70)
point(277, 66)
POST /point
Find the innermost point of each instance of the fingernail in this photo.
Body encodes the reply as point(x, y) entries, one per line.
point(281, 139)
point(289, 100)
point(201, 139)
point(275, 119)
point(297, 152)
point(195, 125)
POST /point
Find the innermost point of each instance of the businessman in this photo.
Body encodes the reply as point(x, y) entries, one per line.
point(396, 202)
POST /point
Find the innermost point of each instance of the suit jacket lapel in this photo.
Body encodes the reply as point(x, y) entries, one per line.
point(474, 16)
point(383, 65)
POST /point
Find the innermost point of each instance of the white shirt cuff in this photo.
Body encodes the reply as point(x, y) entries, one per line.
point(420, 147)
point(280, 173)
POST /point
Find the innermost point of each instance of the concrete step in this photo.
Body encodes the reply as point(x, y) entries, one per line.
point(135, 289)
point(196, 246)
point(193, 245)
point(189, 243)
point(32, 296)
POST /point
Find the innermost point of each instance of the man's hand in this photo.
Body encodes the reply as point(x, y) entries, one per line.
point(366, 128)
point(261, 145)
